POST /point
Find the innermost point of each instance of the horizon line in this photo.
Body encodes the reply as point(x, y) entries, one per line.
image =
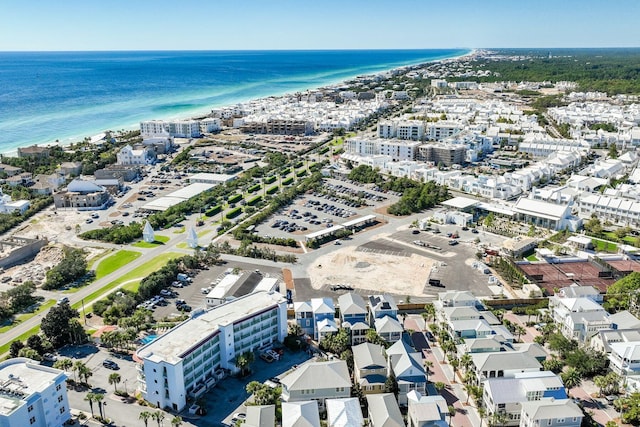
point(314, 49)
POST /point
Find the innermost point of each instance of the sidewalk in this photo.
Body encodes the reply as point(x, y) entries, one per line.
point(466, 415)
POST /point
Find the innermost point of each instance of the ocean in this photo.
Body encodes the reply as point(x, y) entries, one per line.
point(67, 96)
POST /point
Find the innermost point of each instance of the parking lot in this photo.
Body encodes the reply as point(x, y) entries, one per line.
point(193, 293)
point(305, 215)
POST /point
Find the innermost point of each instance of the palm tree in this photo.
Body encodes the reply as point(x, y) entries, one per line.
point(158, 416)
point(114, 379)
point(571, 378)
point(466, 361)
point(176, 421)
point(429, 312)
point(520, 331)
point(83, 371)
point(482, 412)
point(90, 397)
point(64, 364)
point(498, 418)
point(98, 397)
point(452, 412)
point(80, 368)
point(454, 365)
point(144, 416)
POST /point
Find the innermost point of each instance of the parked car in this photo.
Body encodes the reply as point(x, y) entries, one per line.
point(266, 357)
point(108, 363)
point(49, 357)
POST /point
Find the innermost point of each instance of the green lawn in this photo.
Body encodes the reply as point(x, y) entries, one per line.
point(26, 316)
point(532, 257)
point(135, 275)
point(114, 262)
point(604, 246)
point(91, 262)
point(179, 231)
point(5, 348)
point(204, 232)
point(160, 240)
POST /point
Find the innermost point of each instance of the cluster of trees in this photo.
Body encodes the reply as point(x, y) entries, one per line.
point(418, 198)
point(619, 294)
point(118, 234)
point(611, 71)
point(17, 299)
point(34, 348)
point(509, 271)
point(72, 267)
point(579, 362)
point(415, 196)
point(247, 249)
point(59, 327)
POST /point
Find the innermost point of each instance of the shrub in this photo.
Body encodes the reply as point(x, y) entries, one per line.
point(233, 213)
point(254, 200)
point(287, 181)
point(272, 190)
point(214, 210)
point(235, 198)
point(269, 179)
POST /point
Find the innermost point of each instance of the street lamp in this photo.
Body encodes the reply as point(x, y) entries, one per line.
point(125, 387)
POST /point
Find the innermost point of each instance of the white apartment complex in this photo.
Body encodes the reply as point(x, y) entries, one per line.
point(397, 150)
point(189, 358)
point(178, 128)
point(32, 395)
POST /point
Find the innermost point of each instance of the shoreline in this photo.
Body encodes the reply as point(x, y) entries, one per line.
point(204, 112)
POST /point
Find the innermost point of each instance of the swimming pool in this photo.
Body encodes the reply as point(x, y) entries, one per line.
point(146, 340)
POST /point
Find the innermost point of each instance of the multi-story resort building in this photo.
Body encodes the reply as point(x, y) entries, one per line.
point(192, 356)
point(32, 394)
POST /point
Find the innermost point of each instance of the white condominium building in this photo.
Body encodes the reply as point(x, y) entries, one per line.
point(401, 129)
point(32, 394)
point(189, 358)
point(179, 128)
point(396, 149)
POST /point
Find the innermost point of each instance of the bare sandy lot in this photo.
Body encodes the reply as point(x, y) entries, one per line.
point(372, 271)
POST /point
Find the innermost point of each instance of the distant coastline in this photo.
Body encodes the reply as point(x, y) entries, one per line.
point(196, 101)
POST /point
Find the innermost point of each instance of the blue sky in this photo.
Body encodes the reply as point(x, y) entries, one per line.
point(315, 24)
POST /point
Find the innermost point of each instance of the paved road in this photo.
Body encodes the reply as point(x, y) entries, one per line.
point(147, 255)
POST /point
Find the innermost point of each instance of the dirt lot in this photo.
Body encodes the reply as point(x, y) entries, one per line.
point(402, 275)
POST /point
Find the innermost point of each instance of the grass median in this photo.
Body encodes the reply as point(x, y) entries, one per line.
point(114, 262)
point(133, 277)
point(159, 240)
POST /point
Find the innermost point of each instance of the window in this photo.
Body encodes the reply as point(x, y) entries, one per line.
point(30, 408)
point(60, 399)
point(58, 387)
point(62, 409)
point(32, 420)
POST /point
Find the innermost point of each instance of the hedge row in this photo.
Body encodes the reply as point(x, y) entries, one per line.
point(235, 198)
point(269, 179)
point(254, 200)
point(287, 181)
point(254, 188)
point(273, 189)
point(214, 210)
point(234, 213)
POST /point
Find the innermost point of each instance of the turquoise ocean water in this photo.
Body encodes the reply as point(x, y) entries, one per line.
point(66, 96)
